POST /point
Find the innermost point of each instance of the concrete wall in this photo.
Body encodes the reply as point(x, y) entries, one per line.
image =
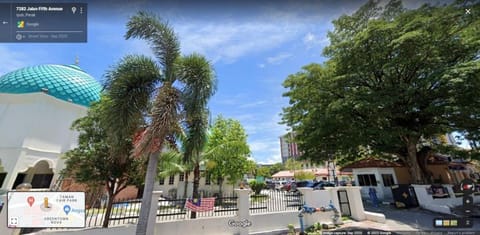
point(441, 205)
point(243, 223)
point(35, 127)
point(383, 192)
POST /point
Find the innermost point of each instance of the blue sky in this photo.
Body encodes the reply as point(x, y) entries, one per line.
point(253, 45)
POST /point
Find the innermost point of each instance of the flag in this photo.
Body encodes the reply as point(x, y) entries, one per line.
point(200, 205)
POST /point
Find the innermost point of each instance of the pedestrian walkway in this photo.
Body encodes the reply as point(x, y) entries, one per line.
point(413, 219)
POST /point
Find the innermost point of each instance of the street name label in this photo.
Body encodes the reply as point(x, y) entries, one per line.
point(46, 209)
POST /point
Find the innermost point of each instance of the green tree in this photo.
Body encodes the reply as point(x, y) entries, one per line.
point(276, 168)
point(227, 151)
point(93, 162)
point(293, 165)
point(304, 175)
point(263, 171)
point(180, 86)
point(394, 77)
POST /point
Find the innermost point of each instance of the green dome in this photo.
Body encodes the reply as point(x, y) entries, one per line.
point(65, 82)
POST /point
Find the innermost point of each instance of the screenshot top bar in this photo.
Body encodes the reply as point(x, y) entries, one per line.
point(43, 22)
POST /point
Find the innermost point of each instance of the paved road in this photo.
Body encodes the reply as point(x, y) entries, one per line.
point(414, 219)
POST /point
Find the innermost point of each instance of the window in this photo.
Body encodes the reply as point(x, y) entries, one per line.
point(388, 180)
point(367, 180)
point(181, 177)
point(171, 180)
point(2, 178)
point(207, 179)
point(41, 180)
point(161, 181)
point(19, 179)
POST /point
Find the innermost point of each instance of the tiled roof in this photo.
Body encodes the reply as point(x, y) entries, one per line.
point(65, 82)
point(316, 171)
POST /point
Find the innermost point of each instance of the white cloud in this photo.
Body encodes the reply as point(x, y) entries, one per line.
point(263, 138)
point(309, 37)
point(253, 104)
point(257, 146)
point(311, 40)
point(261, 66)
point(271, 160)
point(278, 59)
point(231, 40)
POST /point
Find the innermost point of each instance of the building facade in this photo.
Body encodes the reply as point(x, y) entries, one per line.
point(288, 147)
point(38, 105)
point(174, 186)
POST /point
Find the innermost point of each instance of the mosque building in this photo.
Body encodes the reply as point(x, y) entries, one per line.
point(38, 105)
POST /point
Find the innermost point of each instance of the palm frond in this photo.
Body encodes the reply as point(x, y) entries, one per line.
point(200, 83)
point(129, 86)
point(196, 136)
point(197, 76)
point(165, 117)
point(161, 37)
point(170, 163)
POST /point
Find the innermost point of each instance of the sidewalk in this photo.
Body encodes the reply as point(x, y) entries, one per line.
point(414, 219)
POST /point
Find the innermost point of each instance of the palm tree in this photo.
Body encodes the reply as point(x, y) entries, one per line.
point(158, 95)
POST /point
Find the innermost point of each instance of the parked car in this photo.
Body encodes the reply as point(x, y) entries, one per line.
point(305, 184)
point(288, 186)
point(270, 184)
point(279, 185)
point(322, 184)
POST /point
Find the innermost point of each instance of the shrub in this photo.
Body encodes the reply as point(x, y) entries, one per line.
point(257, 186)
point(304, 175)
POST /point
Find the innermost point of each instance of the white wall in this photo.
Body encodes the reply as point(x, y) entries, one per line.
point(180, 186)
point(441, 205)
point(35, 127)
point(383, 193)
point(256, 223)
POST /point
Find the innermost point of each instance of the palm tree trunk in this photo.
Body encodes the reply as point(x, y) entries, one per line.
point(147, 194)
point(196, 183)
point(185, 187)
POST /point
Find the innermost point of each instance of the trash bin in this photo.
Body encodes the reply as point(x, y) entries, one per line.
point(404, 196)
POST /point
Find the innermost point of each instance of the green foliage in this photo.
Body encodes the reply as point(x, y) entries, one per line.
point(227, 151)
point(293, 165)
point(316, 228)
point(257, 186)
point(291, 229)
point(263, 171)
point(276, 168)
point(393, 77)
point(99, 161)
point(304, 175)
point(166, 94)
point(171, 163)
point(93, 163)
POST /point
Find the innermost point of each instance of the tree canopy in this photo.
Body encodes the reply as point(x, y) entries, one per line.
point(95, 163)
point(393, 78)
point(227, 151)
